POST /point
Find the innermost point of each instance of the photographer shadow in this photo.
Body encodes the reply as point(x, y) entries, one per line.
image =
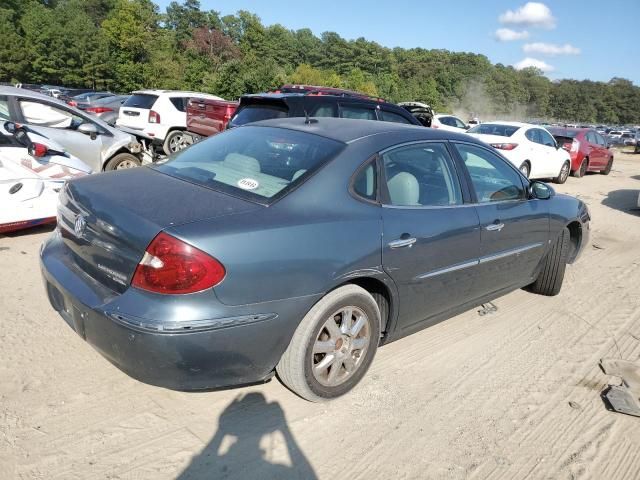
point(237, 450)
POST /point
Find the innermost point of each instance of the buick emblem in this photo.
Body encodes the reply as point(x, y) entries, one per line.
point(79, 226)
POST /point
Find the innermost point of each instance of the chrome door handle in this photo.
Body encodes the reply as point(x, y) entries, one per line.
point(402, 242)
point(494, 227)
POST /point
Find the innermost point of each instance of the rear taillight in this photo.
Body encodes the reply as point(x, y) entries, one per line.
point(154, 117)
point(504, 146)
point(99, 109)
point(73, 103)
point(172, 266)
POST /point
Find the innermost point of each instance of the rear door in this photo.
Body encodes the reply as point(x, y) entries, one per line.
point(514, 228)
point(357, 111)
point(596, 154)
point(431, 239)
point(134, 113)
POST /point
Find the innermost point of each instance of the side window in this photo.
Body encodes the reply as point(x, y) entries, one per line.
point(458, 123)
point(365, 183)
point(446, 121)
point(47, 115)
point(4, 109)
point(387, 116)
point(357, 112)
point(180, 103)
point(323, 110)
point(533, 134)
point(547, 139)
point(600, 140)
point(492, 179)
point(421, 175)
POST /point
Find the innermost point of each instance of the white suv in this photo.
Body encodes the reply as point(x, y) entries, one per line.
point(161, 114)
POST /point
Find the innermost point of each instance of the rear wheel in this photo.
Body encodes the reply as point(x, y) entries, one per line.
point(122, 161)
point(333, 346)
point(525, 169)
point(580, 172)
point(607, 169)
point(550, 278)
point(174, 142)
point(564, 173)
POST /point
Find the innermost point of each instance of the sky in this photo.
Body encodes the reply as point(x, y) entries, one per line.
point(589, 39)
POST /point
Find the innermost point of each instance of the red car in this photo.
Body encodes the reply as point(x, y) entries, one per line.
point(588, 149)
point(206, 117)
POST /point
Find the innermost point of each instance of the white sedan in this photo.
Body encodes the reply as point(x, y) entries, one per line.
point(530, 148)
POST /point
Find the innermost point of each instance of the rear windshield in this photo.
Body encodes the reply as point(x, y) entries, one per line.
point(562, 132)
point(141, 100)
point(494, 129)
point(256, 163)
point(255, 113)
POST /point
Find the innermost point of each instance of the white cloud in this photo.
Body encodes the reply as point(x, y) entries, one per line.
point(508, 35)
point(550, 49)
point(533, 62)
point(531, 14)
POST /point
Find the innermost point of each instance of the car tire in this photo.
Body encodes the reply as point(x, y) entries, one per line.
point(174, 142)
point(323, 342)
point(564, 173)
point(550, 278)
point(582, 170)
point(122, 161)
point(525, 169)
point(607, 169)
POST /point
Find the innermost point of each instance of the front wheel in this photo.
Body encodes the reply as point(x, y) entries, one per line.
point(564, 173)
point(334, 345)
point(551, 275)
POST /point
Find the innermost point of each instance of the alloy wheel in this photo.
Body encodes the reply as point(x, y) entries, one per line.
point(126, 164)
point(340, 346)
point(176, 143)
point(564, 173)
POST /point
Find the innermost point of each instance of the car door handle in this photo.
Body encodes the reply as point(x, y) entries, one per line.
point(402, 242)
point(494, 227)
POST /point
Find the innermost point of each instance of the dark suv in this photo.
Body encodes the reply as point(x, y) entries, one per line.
point(317, 103)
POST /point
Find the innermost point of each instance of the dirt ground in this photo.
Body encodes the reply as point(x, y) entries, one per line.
point(512, 394)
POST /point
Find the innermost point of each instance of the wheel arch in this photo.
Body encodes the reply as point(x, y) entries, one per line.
point(113, 154)
point(385, 296)
point(575, 239)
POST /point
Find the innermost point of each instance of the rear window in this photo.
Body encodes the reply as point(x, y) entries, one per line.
point(141, 100)
point(257, 163)
point(494, 129)
point(255, 113)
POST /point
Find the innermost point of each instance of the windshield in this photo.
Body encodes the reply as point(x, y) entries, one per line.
point(257, 163)
point(494, 129)
point(255, 113)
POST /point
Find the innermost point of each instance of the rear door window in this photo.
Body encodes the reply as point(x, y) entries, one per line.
point(47, 115)
point(458, 123)
point(358, 112)
point(4, 109)
point(547, 139)
point(387, 116)
point(180, 103)
point(141, 100)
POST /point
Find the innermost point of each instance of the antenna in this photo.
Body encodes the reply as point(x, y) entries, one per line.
point(308, 120)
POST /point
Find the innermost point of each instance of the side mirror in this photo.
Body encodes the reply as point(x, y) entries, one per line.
point(88, 129)
point(540, 190)
point(10, 127)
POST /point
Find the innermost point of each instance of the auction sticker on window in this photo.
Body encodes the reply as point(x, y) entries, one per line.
point(248, 183)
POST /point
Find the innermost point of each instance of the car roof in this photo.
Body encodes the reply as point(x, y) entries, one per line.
point(319, 98)
point(510, 123)
point(175, 93)
point(347, 130)
point(23, 92)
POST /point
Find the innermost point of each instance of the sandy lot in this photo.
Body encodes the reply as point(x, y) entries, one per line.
point(512, 394)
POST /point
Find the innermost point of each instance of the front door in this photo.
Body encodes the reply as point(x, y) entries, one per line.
point(514, 228)
point(59, 124)
point(431, 240)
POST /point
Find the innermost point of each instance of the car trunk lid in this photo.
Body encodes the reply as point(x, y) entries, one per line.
point(108, 220)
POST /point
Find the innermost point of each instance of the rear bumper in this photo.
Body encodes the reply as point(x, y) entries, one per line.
point(237, 346)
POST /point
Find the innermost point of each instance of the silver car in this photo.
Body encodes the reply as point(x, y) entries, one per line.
point(96, 143)
point(107, 109)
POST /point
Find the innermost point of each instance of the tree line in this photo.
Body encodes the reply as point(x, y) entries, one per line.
point(123, 45)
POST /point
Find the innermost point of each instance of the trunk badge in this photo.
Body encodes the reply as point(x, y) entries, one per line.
point(79, 226)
